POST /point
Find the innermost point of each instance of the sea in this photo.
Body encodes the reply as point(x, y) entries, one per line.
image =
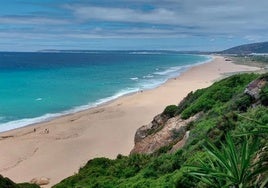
point(40, 86)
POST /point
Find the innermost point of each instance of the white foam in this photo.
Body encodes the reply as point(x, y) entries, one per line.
point(27, 121)
point(178, 69)
point(134, 78)
point(117, 95)
point(168, 71)
point(151, 84)
point(38, 99)
point(146, 52)
point(148, 76)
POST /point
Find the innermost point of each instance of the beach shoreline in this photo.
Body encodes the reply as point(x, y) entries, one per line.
point(57, 148)
point(25, 122)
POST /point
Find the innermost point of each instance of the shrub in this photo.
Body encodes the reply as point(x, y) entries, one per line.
point(230, 166)
point(264, 95)
point(170, 110)
point(242, 102)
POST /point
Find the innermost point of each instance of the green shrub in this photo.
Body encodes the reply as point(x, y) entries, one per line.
point(242, 102)
point(231, 166)
point(28, 185)
point(189, 99)
point(170, 110)
point(217, 94)
point(264, 95)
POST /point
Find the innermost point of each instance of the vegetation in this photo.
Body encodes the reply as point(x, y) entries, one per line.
point(264, 95)
point(259, 58)
point(216, 96)
point(216, 154)
point(170, 110)
point(7, 183)
point(261, 47)
point(232, 166)
point(251, 60)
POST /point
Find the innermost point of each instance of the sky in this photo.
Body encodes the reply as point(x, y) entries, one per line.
point(203, 25)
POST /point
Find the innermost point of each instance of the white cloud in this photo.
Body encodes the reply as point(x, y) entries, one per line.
point(203, 17)
point(254, 38)
point(159, 16)
point(31, 20)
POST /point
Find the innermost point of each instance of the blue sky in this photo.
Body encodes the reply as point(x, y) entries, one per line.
point(30, 25)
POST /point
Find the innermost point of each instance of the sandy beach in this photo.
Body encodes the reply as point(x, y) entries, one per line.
point(56, 149)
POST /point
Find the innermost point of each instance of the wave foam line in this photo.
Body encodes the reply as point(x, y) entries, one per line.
point(47, 117)
point(170, 73)
point(179, 69)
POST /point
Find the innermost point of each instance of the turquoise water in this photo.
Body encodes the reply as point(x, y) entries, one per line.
point(37, 87)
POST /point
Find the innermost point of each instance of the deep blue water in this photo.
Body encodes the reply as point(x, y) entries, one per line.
point(36, 87)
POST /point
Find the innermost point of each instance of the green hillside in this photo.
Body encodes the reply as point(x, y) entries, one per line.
point(261, 47)
point(227, 145)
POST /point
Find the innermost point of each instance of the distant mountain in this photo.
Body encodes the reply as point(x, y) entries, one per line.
point(261, 47)
point(119, 51)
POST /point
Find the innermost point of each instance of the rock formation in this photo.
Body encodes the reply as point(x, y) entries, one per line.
point(162, 132)
point(40, 181)
point(254, 88)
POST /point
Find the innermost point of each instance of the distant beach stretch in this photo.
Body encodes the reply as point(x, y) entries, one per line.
point(56, 149)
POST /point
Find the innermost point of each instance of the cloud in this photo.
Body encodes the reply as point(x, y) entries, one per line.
point(204, 16)
point(159, 16)
point(25, 20)
point(81, 21)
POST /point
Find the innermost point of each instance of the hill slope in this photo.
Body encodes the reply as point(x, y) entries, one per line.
point(229, 106)
point(7, 183)
point(261, 47)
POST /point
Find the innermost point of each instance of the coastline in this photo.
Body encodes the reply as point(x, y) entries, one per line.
point(24, 122)
point(103, 131)
point(28, 122)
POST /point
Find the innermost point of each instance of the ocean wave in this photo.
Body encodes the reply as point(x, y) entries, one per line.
point(27, 121)
point(134, 78)
point(117, 95)
point(151, 84)
point(145, 53)
point(148, 76)
point(168, 71)
point(178, 69)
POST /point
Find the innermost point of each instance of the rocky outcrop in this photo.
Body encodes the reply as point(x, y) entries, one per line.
point(165, 132)
point(40, 181)
point(157, 123)
point(254, 88)
point(173, 132)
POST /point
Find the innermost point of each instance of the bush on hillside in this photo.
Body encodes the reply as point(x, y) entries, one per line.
point(264, 95)
point(7, 183)
point(170, 110)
